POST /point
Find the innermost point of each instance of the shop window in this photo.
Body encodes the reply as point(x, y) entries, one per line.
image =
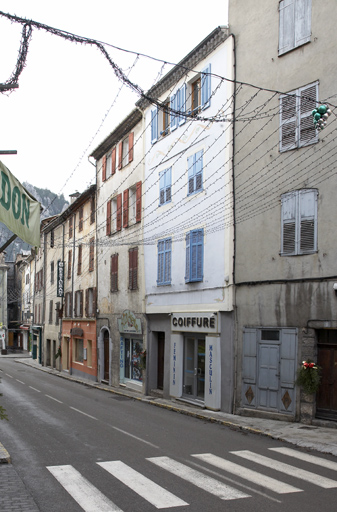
point(132, 362)
point(78, 350)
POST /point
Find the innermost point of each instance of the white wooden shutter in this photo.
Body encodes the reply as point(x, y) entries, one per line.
point(302, 22)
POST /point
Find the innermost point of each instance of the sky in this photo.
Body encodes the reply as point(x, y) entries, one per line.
point(69, 98)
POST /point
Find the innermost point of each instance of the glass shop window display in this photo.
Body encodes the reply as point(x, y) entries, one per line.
point(132, 362)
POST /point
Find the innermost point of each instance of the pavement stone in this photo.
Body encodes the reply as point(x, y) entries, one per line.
point(14, 496)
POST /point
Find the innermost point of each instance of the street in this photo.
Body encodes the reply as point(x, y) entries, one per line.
point(78, 448)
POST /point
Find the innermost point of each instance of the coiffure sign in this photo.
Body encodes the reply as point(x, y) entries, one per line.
point(195, 322)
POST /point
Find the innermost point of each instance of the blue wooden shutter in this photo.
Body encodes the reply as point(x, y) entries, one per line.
point(168, 184)
point(154, 125)
point(160, 270)
point(161, 187)
point(196, 250)
point(288, 358)
point(182, 103)
point(307, 206)
point(206, 87)
point(168, 252)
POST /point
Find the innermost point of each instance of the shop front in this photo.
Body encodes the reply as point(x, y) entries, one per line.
point(195, 367)
point(78, 350)
point(132, 351)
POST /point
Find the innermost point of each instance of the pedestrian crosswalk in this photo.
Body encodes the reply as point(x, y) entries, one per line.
point(244, 469)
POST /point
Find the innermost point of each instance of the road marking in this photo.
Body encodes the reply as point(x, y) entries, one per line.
point(20, 381)
point(81, 412)
point(135, 437)
point(150, 491)
point(207, 483)
point(324, 463)
point(81, 490)
point(302, 474)
point(247, 474)
point(10, 376)
point(52, 398)
point(37, 390)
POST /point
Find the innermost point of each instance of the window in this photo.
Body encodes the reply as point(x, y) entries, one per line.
point(92, 210)
point(68, 304)
point(79, 260)
point(90, 302)
point(114, 273)
point(79, 303)
point(165, 186)
point(126, 208)
point(125, 151)
point(70, 227)
point(154, 125)
point(91, 254)
point(164, 262)
point(78, 350)
point(50, 311)
point(194, 255)
point(132, 367)
point(166, 119)
point(195, 166)
point(80, 219)
point(58, 313)
point(133, 268)
point(295, 24)
point(51, 272)
point(296, 124)
point(52, 238)
point(299, 222)
point(201, 91)
point(109, 164)
point(69, 263)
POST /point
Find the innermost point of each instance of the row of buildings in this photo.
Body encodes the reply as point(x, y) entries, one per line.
point(201, 265)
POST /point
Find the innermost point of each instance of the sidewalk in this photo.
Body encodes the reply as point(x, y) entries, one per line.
point(321, 437)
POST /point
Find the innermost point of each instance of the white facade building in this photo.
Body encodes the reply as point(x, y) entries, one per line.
point(188, 227)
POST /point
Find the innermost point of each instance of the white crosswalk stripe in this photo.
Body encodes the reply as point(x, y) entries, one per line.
point(302, 474)
point(92, 499)
point(82, 491)
point(253, 476)
point(152, 492)
point(209, 484)
point(324, 463)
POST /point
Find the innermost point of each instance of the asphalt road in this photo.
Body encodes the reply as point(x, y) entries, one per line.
point(78, 448)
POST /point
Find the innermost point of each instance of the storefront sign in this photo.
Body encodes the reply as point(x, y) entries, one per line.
point(18, 209)
point(77, 331)
point(60, 278)
point(195, 322)
point(129, 324)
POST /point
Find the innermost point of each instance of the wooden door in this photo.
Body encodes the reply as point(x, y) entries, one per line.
point(326, 400)
point(160, 362)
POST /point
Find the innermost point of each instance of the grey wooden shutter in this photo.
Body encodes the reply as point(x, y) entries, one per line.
point(302, 22)
point(308, 97)
point(286, 26)
point(307, 221)
point(288, 242)
point(288, 117)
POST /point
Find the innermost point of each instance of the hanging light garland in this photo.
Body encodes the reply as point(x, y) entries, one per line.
point(320, 115)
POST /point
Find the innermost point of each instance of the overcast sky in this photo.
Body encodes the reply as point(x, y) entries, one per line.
point(69, 99)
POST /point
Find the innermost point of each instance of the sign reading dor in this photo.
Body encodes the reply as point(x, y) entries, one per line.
point(18, 210)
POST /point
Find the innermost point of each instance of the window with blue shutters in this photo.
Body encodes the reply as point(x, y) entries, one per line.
point(194, 256)
point(164, 262)
point(154, 125)
point(195, 167)
point(165, 184)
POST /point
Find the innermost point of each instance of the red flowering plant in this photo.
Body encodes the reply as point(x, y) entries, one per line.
point(309, 377)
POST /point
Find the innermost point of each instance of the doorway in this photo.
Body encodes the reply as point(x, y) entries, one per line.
point(194, 368)
point(326, 399)
point(106, 355)
point(160, 360)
